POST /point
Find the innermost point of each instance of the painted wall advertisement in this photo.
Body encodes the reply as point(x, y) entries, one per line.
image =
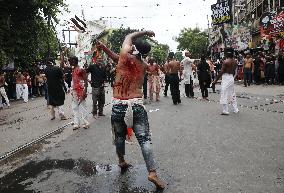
point(221, 12)
point(272, 23)
point(238, 37)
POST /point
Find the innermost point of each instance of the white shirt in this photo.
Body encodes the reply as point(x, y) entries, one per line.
point(187, 66)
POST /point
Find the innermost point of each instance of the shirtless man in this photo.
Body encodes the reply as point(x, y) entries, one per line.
point(22, 87)
point(153, 79)
point(128, 110)
point(248, 69)
point(2, 91)
point(228, 94)
point(175, 73)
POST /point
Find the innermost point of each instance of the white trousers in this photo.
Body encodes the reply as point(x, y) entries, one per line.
point(60, 111)
point(80, 111)
point(3, 94)
point(22, 91)
point(228, 94)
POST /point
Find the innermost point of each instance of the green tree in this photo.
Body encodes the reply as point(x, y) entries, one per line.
point(117, 36)
point(179, 56)
point(160, 53)
point(27, 32)
point(193, 40)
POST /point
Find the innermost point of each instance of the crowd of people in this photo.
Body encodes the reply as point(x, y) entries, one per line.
point(135, 77)
point(258, 67)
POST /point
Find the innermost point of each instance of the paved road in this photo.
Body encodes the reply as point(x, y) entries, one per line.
point(197, 150)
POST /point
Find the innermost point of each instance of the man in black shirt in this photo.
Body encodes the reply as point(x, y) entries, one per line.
point(98, 78)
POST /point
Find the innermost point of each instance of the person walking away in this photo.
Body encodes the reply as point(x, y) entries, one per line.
point(257, 69)
point(21, 87)
point(79, 94)
point(3, 91)
point(281, 68)
point(269, 70)
point(68, 75)
point(55, 90)
point(175, 72)
point(248, 69)
point(39, 82)
point(228, 95)
point(128, 110)
point(153, 80)
point(98, 80)
point(204, 77)
point(212, 72)
point(188, 76)
point(29, 83)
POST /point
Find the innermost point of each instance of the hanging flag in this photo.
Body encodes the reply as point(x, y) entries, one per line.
point(77, 25)
point(82, 22)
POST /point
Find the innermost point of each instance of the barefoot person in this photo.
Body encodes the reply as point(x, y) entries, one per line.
point(79, 94)
point(153, 80)
point(128, 110)
point(175, 77)
point(2, 91)
point(55, 90)
point(228, 94)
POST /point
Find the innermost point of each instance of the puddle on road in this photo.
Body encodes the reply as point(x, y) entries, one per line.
point(78, 176)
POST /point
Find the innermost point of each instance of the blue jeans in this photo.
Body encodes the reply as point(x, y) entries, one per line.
point(140, 128)
point(247, 77)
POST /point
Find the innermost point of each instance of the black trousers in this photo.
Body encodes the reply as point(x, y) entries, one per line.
point(145, 86)
point(189, 88)
point(203, 88)
point(167, 81)
point(174, 86)
point(98, 97)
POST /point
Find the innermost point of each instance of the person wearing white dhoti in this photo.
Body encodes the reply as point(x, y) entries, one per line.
point(22, 89)
point(228, 95)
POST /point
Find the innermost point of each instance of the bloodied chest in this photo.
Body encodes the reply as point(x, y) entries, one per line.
point(129, 79)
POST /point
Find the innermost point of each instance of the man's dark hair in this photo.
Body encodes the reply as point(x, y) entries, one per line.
point(171, 55)
point(142, 46)
point(73, 60)
point(151, 61)
point(229, 52)
point(203, 57)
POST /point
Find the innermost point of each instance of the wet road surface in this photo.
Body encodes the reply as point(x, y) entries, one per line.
point(80, 176)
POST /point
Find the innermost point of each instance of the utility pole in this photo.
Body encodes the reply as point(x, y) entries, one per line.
point(208, 25)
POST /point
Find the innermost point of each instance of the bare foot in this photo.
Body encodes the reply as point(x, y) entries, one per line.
point(124, 165)
point(155, 180)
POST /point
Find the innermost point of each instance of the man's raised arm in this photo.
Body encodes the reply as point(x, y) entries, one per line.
point(110, 53)
point(127, 44)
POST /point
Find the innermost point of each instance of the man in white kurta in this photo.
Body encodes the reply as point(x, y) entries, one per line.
point(228, 95)
point(188, 76)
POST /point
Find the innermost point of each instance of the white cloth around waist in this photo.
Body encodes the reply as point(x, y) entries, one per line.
point(128, 118)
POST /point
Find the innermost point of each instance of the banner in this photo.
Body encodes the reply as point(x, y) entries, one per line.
point(222, 12)
point(272, 23)
point(237, 37)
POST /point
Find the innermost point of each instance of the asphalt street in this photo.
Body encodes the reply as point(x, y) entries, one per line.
point(196, 148)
